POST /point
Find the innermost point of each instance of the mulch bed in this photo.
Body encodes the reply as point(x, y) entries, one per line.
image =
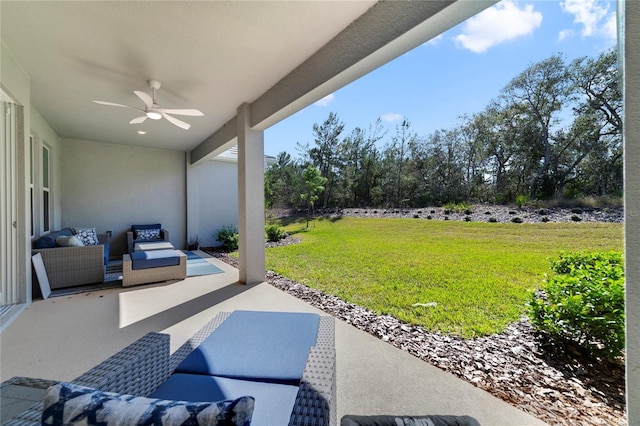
point(552, 381)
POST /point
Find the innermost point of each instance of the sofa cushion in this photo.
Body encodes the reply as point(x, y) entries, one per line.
point(146, 232)
point(88, 236)
point(273, 402)
point(154, 259)
point(274, 347)
point(70, 404)
point(49, 240)
point(68, 241)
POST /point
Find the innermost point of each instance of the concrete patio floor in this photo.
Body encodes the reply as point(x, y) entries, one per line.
point(62, 337)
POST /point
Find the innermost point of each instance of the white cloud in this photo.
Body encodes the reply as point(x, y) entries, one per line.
point(594, 17)
point(564, 34)
point(391, 117)
point(326, 100)
point(498, 24)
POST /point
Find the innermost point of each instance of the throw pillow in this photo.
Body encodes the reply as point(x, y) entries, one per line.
point(88, 236)
point(147, 234)
point(68, 241)
point(71, 404)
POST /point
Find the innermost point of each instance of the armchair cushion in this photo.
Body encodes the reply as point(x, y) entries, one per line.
point(49, 240)
point(68, 241)
point(273, 402)
point(273, 348)
point(146, 232)
point(88, 236)
point(69, 404)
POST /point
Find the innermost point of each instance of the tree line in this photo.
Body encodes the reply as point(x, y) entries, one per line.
point(555, 130)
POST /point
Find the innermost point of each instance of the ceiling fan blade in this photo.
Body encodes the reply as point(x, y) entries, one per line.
point(148, 101)
point(190, 112)
point(117, 105)
point(176, 122)
point(138, 120)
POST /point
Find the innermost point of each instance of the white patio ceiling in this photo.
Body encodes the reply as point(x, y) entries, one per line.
point(278, 56)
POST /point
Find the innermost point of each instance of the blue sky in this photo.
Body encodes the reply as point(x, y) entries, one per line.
point(459, 72)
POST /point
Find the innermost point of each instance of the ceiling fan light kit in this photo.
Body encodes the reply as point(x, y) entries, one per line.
point(153, 111)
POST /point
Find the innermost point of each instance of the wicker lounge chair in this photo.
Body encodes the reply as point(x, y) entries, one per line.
point(143, 366)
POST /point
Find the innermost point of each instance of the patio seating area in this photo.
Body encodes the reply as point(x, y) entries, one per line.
point(62, 337)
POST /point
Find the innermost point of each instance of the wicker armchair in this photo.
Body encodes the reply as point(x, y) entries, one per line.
point(143, 366)
point(74, 266)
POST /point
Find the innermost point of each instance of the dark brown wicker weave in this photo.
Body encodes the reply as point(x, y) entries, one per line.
point(142, 366)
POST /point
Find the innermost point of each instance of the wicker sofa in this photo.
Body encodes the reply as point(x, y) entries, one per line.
point(145, 366)
point(72, 266)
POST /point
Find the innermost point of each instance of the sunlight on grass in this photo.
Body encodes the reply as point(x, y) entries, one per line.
point(478, 274)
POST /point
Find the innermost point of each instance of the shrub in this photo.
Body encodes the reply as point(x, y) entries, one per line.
point(576, 210)
point(493, 220)
point(521, 200)
point(228, 236)
point(457, 207)
point(542, 212)
point(274, 233)
point(544, 219)
point(467, 218)
point(576, 218)
point(193, 243)
point(516, 220)
point(416, 216)
point(583, 302)
point(429, 217)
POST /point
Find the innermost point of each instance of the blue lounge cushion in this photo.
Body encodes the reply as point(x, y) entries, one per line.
point(273, 402)
point(70, 404)
point(49, 240)
point(264, 346)
point(154, 259)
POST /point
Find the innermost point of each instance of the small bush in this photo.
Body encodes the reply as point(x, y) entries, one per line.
point(446, 212)
point(446, 218)
point(416, 216)
point(468, 212)
point(512, 212)
point(576, 218)
point(544, 219)
point(583, 302)
point(521, 200)
point(193, 243)
point(516, 220)
point(493, 220)
point(542, 212)
point(432, 211)
point(274, 233)
point(487, 213)
point(576, 210)
point(228, 236)
point(467, 218)
point(429, 217)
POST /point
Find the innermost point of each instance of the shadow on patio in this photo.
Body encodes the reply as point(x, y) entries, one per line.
point(61, 338)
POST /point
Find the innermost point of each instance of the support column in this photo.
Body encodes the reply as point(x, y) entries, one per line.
point(631, 38)
point(250, 199)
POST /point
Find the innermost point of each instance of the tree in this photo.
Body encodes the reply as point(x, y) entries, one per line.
point(540, 92)
point(314, 185)
point(325, 155)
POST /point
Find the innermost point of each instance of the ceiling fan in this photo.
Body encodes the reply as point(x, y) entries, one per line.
point(153, 111)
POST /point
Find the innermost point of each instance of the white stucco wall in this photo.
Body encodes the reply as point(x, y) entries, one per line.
point(212, 190)
point(111, 187)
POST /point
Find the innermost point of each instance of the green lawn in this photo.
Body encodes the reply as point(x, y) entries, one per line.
point(478, 274)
